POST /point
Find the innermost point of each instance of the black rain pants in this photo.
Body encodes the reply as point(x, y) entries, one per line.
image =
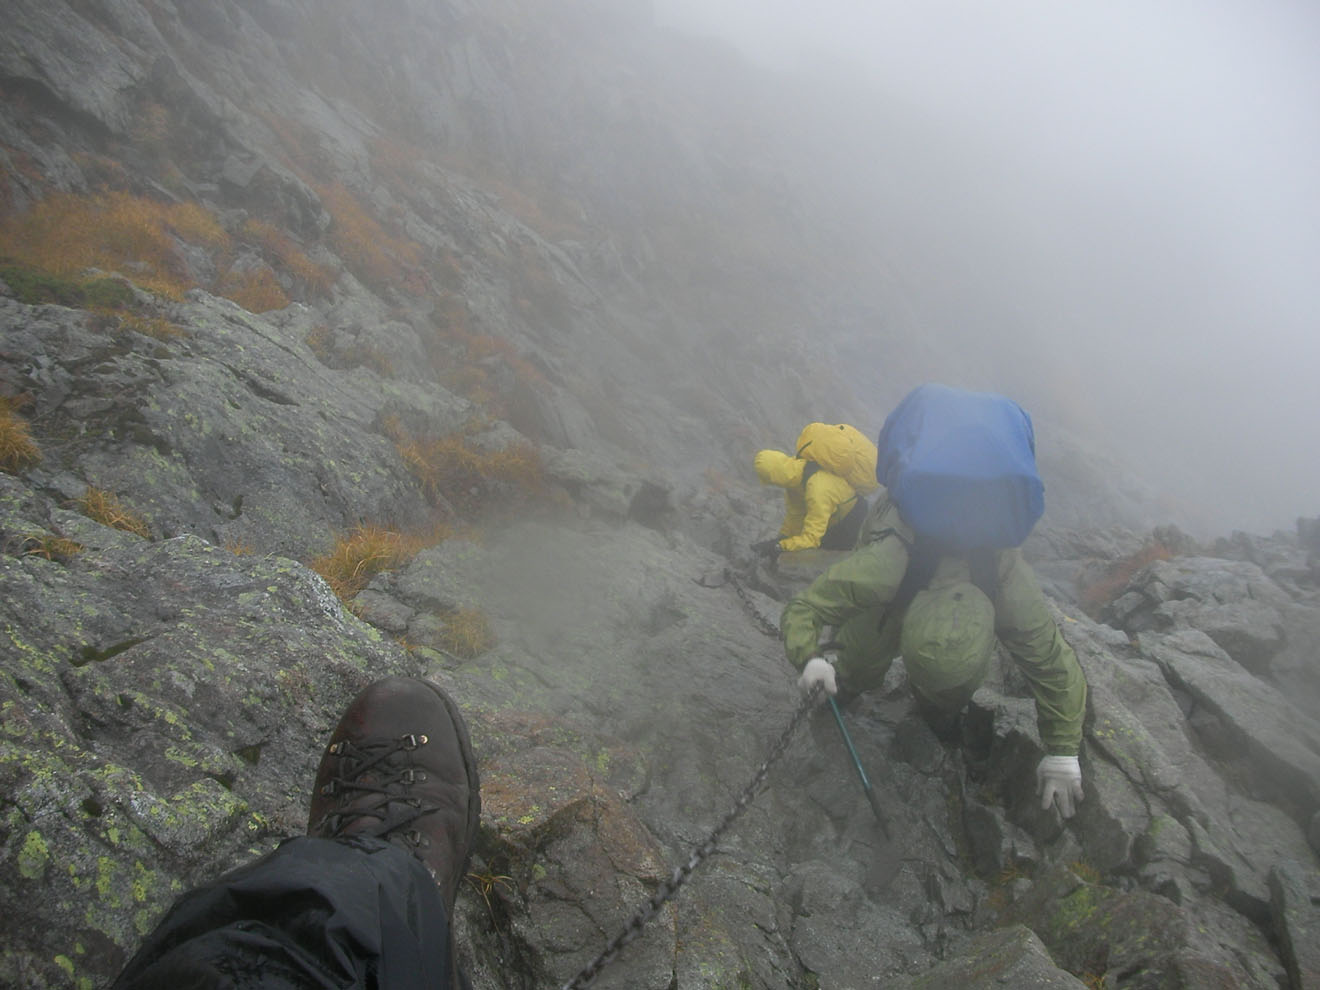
point(351, 912)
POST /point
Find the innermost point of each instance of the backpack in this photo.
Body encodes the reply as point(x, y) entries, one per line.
point(961, 467)
point(843, 450)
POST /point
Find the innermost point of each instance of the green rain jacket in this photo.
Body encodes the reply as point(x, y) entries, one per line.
point(854, 594)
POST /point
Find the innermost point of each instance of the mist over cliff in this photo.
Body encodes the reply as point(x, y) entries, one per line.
point(1107, 214)
point(1118, 205)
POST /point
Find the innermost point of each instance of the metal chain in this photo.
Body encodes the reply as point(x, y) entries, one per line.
point(680, 875)
point(764, 624)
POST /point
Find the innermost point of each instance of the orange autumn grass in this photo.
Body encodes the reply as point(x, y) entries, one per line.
point(360, 554)
point(1094, 596)
point(449, 467)
point(17, 448)
point(106, 508)
point(467, 633)
point(65, 234)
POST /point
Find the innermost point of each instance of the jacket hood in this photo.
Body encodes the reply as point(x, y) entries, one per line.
point(774, 467)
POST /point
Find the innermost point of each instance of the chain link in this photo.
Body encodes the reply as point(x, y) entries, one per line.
point(764, 624)
point(680, 875)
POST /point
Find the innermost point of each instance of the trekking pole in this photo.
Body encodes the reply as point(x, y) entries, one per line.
point(866, 783)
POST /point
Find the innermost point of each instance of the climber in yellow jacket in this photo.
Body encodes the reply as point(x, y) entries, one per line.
point(821, 509)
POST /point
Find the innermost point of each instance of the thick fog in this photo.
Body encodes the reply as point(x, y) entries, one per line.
point(1120, 199)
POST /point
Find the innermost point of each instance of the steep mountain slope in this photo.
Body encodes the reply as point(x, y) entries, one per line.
point(441, 158)
point(477, 311)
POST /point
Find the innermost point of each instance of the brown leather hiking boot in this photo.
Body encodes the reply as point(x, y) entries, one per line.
point(399, 766)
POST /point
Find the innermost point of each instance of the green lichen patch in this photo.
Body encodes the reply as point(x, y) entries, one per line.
point(33, 856)
point(194, 816)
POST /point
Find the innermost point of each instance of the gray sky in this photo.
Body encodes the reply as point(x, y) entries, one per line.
point(1132, 188)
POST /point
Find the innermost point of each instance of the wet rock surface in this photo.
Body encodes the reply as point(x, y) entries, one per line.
point(166, 702)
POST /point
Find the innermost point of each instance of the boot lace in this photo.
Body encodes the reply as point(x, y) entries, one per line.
point(373, 782)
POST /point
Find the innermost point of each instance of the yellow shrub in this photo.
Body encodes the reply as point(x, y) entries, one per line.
point(157, 327)
point(451, 469)
point(191, 222)
point(105, 508)
point(50, 546)
point(366, 551)
point(66, 233)
point(371, 252)
point(17, 448)
point(467, 633)
point(256, 290)
point(319, 341)
point(281, 252)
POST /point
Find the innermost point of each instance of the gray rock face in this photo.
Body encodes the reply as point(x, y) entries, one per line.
point(1293, 900)
point(1011, 956)
point(1233, 602)
point(159, 703)
point(236, 432)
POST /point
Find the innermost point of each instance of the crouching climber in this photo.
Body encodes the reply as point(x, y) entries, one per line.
point(364, 900)
point(825, 486)
point(941, 596)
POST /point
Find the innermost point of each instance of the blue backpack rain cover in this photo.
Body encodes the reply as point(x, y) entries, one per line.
point(961, 466)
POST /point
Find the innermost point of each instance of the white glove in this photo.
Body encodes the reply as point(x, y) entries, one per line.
point(818, 671)
point(1059, 778)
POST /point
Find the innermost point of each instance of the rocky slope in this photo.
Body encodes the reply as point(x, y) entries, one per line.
point(391, 270)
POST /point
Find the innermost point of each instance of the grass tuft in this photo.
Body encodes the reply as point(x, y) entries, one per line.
point(452, 470)
point(17, 448)
point(366, 551)
point(48, 251)
point(65, 234)
point(106, 508)
point(281, 252)
point(50, 546)
point(485, 884)
point(257, 290)
point(378, 257)
point(467, 633)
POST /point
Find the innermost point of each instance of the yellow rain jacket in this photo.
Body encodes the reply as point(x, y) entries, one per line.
point(810, 507)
